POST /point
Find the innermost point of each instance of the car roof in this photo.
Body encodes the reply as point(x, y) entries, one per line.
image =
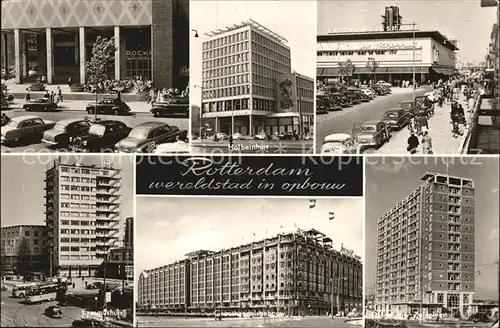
point(108, 123)
point(371, 122)
point(337, 137)
point(394, 110)
point(149, 125)
point(24, 117)
point(67, 121)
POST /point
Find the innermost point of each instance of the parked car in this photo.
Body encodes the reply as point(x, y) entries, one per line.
point(360, 95)
point(149, 134)
point(108, 105)
point(343, 100)
point(479, 317)
point(383, 83)
point(288, 136)
point(53, 312)
point(220, 136)
point(409, 107)
point(327, 103)
point(40, 105)
point(371, 133)
point(173, 106)
point(396, 118)
point(25, 127)
point(178, 147)
point(261, 136)
point(353, 98)
point(102, 136)
point(60, 134)
point(240, 136)
point(369, 92)
point(339, 143)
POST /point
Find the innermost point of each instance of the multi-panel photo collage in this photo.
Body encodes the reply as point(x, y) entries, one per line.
point(250, 163)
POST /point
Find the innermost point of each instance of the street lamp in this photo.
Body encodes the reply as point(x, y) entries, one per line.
point(195, 32)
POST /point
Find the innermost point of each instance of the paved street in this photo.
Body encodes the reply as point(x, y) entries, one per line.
point(15, 314)
point(343, 121)
point(75, 109)
point(252, 146)
point(245, 322)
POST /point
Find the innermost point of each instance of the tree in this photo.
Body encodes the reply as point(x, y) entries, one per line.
point(101, 66)
point(372, 65)
point(346, 69)
point(24, 265)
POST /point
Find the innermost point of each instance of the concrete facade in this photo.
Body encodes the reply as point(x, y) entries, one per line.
point(12, 237)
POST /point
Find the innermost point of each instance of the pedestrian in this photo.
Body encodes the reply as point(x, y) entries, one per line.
point(27, 95)
point(52, 96)
point(73, 285)
point(44, 79)
point(70, 81)
point(412, 143)
point(427, 143)
point(422, 123)
point(231, 140)
point(470, 104)
point(119, 96)
point(59, 93)
point(47, 95)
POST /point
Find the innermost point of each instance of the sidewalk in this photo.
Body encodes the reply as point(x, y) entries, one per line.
point(19, 90)
point(440, 130)
point(80, 105)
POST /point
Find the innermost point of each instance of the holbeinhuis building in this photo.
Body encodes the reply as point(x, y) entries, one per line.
point(55, 38)
point(293, 273)
point(425, 255)
point(248, 85)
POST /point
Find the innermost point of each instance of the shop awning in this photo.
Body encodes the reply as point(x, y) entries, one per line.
point(327, 71)
point(444, 70)
point(407, 70)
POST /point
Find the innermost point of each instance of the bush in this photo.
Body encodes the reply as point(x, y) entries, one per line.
point(77, 88)
point(37, 87)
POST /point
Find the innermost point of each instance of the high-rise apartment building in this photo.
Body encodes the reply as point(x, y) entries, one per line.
point(248, 85)
point(291, 273)
point(425, 257)
point(82, 216)
point(129, 231)
point(33, 237)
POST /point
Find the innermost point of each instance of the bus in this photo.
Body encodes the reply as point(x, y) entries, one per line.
point(44, 293)
point(19, 291)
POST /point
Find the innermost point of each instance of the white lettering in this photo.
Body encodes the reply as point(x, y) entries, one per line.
point(137, 53)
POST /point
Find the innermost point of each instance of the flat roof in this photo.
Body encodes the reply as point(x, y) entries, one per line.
point(429, 174)
point(371, 35)
point(251, 23)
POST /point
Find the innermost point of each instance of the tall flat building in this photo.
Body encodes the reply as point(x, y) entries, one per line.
point(295, 273)
point(82, 216)
point(425, 257)
point(129, 231)
point(33, 237)
point(248, 85)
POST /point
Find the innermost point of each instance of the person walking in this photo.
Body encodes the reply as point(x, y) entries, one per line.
point(422, 123)
point(59, 93)
point(412, 143)
point(27, 95)
point(52, 97)
point(231, 140)
point(70, 81)
point(427, 143)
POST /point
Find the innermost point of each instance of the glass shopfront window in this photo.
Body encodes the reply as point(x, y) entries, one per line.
point(138, 60)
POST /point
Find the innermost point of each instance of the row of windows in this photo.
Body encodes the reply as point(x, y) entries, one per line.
point(78, 188)
point(14, 250)
point(227, 81)
point(78, 240)
point(281, 64)
point(27, 233)
point(78, 197)
point(227, 92)
point(77, 232)
point(77, 257)
point(78, 205)
point(358, 52)
point(226, 71)
point(76, 222)
point(66, 169)
point(226, 40)
point(226, 51)
point(14, 242)
point(78, 179)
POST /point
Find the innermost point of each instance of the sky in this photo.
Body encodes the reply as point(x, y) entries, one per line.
point(295, 20)
point(22, 193)
point(182, 225)
point(464, 20)
point(391, 180)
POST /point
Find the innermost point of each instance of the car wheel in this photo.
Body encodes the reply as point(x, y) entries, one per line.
point(156, 114)
point(21, 295)
point(28, 109)
point(90, 111)
point(116, 112)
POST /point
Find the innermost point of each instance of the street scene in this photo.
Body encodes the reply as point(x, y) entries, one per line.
point(268, 267)
point(412, 84)
point(67, 259)
point(453, 203)
point(83, 80)
point(252, 85)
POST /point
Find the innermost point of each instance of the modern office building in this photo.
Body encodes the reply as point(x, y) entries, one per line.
point(129, 231)
point(425, 255)
point(14, 236)
point(82, 216)
point(293, 273)
point(248, 85)
point(55, 38)
point(120, 260)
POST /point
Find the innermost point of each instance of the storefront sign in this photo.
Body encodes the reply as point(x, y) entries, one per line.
point(387, 46)
point(346, 251)
point(138, 53)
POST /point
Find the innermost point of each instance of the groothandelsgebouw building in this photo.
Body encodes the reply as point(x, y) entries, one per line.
point(82, 216)
point(425, 249)
point(291, 273)
point(248, 85)
point(55, 38)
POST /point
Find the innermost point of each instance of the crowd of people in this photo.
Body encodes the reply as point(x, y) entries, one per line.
point(454, 92)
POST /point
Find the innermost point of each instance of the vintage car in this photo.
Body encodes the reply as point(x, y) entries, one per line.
point(5, 119)
point(396, 118)
point(369, 92)
point(60, 134)
point(102, 136)
point(220, 136)
point(262, 136)
point(383, 83)
point(420, 100)
point(288, 136)
point(339, 143)
point(241, 136)
point(327, 103)
point(40, 105)
point(173, 106)
point(144, 137)
point(108, 105)
point(371, 133)
point(353, 98)
point(178, 147)
point(25, 127)
point(410, 107)
point(53, 312)
point(360, 95)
